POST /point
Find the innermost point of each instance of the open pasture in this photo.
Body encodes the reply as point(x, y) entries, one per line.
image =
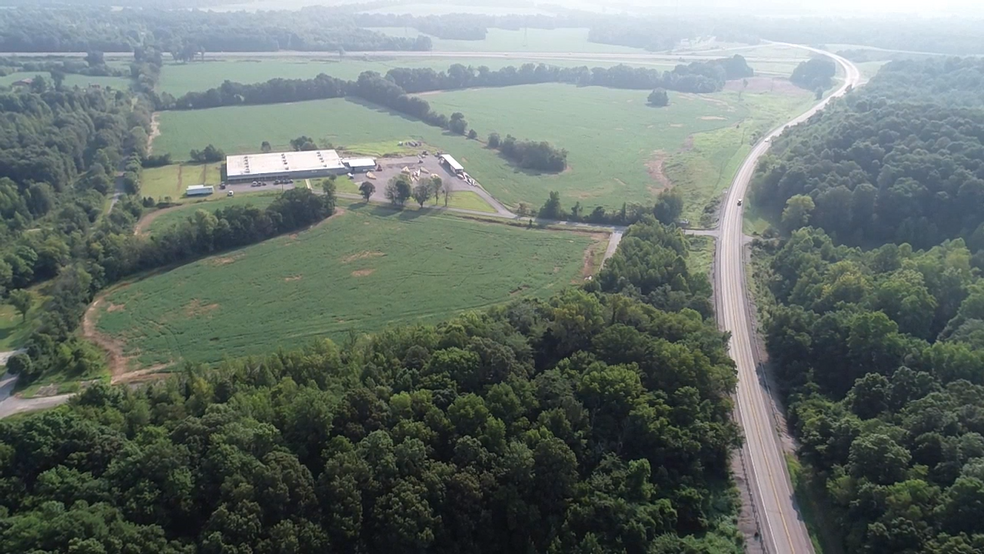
point(360, 271)
point(155, 222)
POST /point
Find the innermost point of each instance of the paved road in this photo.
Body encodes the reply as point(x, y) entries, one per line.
point(782, 528)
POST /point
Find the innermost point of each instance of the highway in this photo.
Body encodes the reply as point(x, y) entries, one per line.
point(782, 529)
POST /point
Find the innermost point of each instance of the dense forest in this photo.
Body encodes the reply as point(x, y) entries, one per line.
point(877, 328)
point(815, 73)
point(589, 422)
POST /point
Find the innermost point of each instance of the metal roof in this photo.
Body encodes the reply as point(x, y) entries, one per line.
point(280, 163)
point(452, 163)
point(359, 162)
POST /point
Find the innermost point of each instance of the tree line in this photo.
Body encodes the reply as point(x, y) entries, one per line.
point(666, 210)
point(588, 422)
point(700, 77)
point(874, 321)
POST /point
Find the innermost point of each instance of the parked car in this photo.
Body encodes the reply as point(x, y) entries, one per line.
point(230, 193)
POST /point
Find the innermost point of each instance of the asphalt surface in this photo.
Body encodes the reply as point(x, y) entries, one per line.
point(782, 528)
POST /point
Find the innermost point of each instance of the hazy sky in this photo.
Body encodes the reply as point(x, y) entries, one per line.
point(825, 7)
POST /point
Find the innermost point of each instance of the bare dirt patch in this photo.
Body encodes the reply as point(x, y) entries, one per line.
point(145, 222)
point(224, 260)
point(764, 84)
point(364, 255)
point(155, 131)
point(363, 272)
point(590, 265)
point(195, 308)
point(293, 278)
point(676, 125)
point(655, 167)
point(115, 307)
point(114, 349)
point(712, 118)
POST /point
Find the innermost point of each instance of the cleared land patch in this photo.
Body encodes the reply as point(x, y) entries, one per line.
point(243, 302)
point(171, 181)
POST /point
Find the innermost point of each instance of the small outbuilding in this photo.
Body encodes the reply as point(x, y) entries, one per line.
point(359, 165)
point(199, 190)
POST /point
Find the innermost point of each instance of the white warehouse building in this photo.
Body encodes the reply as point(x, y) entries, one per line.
point(284, 165)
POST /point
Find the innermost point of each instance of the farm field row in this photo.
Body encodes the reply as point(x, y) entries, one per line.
point(611, 134)
point(360, 271)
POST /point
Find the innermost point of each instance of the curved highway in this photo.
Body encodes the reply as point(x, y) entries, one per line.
point(781, 527)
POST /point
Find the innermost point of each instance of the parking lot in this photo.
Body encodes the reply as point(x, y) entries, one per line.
point(264, 186)
point(391, 167)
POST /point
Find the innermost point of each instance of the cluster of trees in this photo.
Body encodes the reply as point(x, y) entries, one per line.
point(880, 351)
point(528, 154)
point(889, 164)
point(666, 210)
point(815, 74)
point(209, 154)
point(659, 98)
point(589, 422)
point(106, 29)
point(703, 77)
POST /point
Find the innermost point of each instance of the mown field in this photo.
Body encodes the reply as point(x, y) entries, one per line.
point(360, 271)
point(611, 134)
point(180, 78)
point(171, 181)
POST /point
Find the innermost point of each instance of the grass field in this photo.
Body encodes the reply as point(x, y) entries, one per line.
point(610, 134)
point(171, 181)
point(71, 80)
point(179, 78)
point(705, 167)
point(361, 271)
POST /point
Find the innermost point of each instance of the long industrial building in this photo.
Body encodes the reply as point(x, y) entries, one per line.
point(288, 165)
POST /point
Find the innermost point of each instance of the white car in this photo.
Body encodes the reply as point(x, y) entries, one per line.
point(231, 193)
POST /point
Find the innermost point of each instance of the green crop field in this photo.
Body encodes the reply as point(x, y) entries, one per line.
point(180, 78)
point(611, 134)
point(358, 272)
point(71, 80)
point(158, 221)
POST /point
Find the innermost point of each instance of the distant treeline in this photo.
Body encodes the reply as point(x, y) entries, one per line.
point(699, 77)
point(83, 29)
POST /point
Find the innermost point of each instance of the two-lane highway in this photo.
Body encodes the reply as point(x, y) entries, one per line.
point(783, 531)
